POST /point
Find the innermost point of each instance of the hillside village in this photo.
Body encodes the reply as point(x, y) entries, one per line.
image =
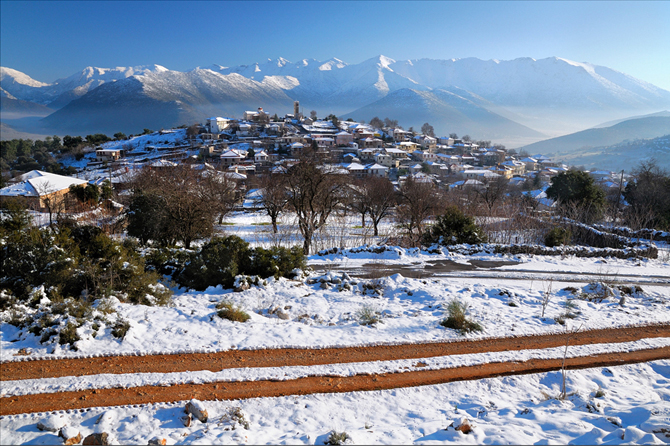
point(260, 143)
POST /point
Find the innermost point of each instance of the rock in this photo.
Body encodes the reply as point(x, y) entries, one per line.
point(242, 287)
point(157, 440)
point(186, 420)
point(615, 421)
point(107, 417)
point(53, 423)
point(95, 439)
point(463, 425)
point(281, 314)
point(70, 435)
point(197, 409)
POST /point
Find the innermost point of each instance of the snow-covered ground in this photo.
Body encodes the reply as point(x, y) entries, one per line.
point(326, 308)
point(328, 313)
point(617, 405)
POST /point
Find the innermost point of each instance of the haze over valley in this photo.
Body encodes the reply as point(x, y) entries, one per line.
point(515, 102)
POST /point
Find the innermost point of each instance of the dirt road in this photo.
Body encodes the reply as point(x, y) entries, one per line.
point(307, 357)
point(313, 384)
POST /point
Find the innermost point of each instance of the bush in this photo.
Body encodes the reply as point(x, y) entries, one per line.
point(337, 438)
point(368, 316)
point(68, 335)
point(276, 261)
point(120, 329)
point(458, 320)
point(217, 263)
point(220, 260)
point(453, 228)
point(228, 310)
point(558, 236)
point(75, 261)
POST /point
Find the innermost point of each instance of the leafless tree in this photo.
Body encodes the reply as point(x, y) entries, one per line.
point(356, 198)
point(171, 205)
point(381, 198)
point(220, 191)
point(428, 129)
point(391, 123)
point(493, 192)
point(273, 196)
point(313, 192)
point(417, 202)
point(376, 122)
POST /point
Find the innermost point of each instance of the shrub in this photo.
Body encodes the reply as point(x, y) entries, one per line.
point(367, 315)
point(558, 236)
point(337, 438)
point(454, 227)
point(217, 263)
point(68, 335)
point(276, 261)
point(228, 310)
point(458, 319)
point(72, 262)
point(120, 329)
point(571, 312)
point(220, 260)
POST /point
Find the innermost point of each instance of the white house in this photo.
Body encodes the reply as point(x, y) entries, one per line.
point(217, 124)
point(36, 187)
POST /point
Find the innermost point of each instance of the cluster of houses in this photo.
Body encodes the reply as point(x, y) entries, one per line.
point(260, 144)
point(257, 143)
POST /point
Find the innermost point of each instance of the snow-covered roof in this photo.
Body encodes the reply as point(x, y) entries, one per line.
point(163, 163)
point(231, 154)
point(37, 183)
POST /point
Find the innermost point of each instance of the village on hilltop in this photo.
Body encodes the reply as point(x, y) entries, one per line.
point(260, 143)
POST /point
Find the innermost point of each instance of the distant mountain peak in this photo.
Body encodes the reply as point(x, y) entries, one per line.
point(19, 77)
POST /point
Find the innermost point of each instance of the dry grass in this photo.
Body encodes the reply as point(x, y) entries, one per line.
point(228, 310)
point(458, 319)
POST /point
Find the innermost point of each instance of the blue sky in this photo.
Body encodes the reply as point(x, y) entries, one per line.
point(49, 40)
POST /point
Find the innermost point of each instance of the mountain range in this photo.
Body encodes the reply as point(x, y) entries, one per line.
point(515, 102)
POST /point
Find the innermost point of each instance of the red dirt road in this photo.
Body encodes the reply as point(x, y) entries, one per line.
point(313, 384)
point(307, 357)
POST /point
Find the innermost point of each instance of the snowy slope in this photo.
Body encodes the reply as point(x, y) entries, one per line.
point(446, 111)
point(166, 99)
point(553, 95)
point(62, 91)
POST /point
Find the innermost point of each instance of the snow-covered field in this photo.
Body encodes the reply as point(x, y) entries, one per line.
point(617, 405)
point(327, 311)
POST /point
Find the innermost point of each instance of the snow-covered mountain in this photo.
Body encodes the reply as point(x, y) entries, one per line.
point(162, 99)
point(62, 91)
point(554, 95)
point(446, 111)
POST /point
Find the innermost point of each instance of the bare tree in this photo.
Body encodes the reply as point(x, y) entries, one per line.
point(381, 198)
point(220, 191)
point(376, 122)
point(417, 202)
point(171, 205)
point(312, 115)
point(50, 199)
point(428, 129)
point(273, 196)
point(493, 192)
point(356, 198)
point(313, 193)
point(391, 123)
